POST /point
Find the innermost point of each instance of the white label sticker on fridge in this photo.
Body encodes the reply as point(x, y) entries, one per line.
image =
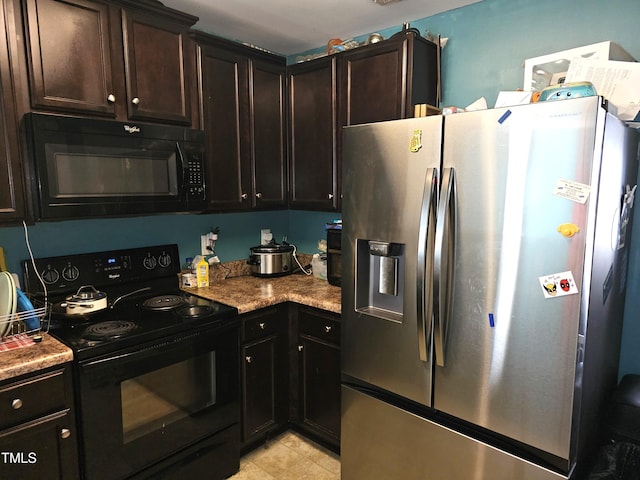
point(574, 191)
point(558, 285)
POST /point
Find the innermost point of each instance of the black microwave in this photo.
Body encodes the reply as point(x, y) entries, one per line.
point(87, 168)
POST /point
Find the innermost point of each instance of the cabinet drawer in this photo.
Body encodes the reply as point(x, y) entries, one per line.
point(319, 326)
point(262, 325)
point(28, 399)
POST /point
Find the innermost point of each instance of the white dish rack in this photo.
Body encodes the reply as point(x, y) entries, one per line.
point(14, 323)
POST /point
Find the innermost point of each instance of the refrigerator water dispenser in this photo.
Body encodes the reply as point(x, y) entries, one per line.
point(379, 279)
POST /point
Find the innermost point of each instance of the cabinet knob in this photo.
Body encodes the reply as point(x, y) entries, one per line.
point(111, 98)
point(135, 100)
point(65, 433)
point(16, 404)
point(258, 195)
point(300, 347)
point(330, 196)
point(327, 328)
point(244, 196)
point(262, 325)
point(248, 358)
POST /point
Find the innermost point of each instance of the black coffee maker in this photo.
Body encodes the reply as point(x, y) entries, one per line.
point(334, 252)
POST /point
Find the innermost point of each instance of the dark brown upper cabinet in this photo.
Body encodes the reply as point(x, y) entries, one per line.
point(372, 83)
point(313, 113)
point(224, 103)
point(241, 94)
point(126, 60)
point(383, 81)
point(12, 194)
point(267, 87)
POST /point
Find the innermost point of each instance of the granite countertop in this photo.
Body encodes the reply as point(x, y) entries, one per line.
point(28, 359)
point(248, 293)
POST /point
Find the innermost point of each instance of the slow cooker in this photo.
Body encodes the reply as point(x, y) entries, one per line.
point(271, 260)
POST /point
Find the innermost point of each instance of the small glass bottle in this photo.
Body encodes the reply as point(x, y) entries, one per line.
point(187, 267)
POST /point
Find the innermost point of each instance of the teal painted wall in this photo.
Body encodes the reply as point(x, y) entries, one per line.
point(238, 232)
point(488, 43)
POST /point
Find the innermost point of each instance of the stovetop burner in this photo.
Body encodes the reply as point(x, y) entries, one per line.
point(164, 302)
point(109, 330)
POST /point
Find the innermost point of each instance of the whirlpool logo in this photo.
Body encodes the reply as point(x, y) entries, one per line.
point(131, 129)
point(18, 458)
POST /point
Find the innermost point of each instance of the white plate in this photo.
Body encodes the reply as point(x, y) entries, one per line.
point(8, 301)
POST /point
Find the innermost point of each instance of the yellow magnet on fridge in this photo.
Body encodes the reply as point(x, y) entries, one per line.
point(568, 229)
point(416, 141)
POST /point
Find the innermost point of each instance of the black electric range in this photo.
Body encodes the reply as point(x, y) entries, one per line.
point(156, 370)
point(144, 301)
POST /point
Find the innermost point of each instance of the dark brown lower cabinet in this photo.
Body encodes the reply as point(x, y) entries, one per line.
point(265, 374)
point(38, 435)
point(319, 375)
point(290, 358)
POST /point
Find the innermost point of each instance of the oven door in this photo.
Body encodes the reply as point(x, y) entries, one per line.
point(139, 407)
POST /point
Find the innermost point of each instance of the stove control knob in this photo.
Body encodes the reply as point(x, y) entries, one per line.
point(164, 260)
point(70, 273)
point(149, 262)
point(50, 275)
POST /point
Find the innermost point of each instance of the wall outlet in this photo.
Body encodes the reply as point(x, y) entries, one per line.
point(208, 243)
point(265, 236)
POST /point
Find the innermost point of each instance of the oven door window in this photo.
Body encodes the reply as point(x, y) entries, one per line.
point(107, 171)
point(163, 397)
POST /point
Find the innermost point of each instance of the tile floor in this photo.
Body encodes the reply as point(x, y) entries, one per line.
point(289, 456)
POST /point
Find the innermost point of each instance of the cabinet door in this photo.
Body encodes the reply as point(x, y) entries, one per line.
point(12, 199)
point(313, 163)
point(319, 374)
point(69, 56)
point(45, 449)
point(157, 63)
point(225, 105)
point(267, 134)
point(373, 83)
point(265, 373)
point(384, 81)
point(258, 400)
point(320, 387)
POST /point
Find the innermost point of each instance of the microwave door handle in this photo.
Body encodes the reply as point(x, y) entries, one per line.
point(424, 272)
point(181, 167)
point(443, 263)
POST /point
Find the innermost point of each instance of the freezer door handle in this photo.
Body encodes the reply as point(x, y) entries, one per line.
point(443, 263)
point(426, 239)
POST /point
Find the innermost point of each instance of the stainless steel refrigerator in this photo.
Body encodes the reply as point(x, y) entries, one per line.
point(484, 266)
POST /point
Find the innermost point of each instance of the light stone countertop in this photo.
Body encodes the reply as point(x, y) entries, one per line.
point(248, 293)
point(19, 361)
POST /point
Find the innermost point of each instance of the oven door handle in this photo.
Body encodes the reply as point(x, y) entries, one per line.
point(161, 351)
point(120, 360)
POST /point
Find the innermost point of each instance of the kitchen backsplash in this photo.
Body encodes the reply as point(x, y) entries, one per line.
point(239, 268)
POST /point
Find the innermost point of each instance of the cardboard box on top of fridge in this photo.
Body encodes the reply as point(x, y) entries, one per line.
point(618, 82)
point(540, 72)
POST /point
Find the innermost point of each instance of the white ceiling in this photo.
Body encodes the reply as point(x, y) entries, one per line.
point(294, 26)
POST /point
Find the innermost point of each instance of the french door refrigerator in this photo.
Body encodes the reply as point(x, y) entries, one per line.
point(484, 266)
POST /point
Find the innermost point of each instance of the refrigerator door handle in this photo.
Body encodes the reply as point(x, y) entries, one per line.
point(426, 241)
point(443, 263)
